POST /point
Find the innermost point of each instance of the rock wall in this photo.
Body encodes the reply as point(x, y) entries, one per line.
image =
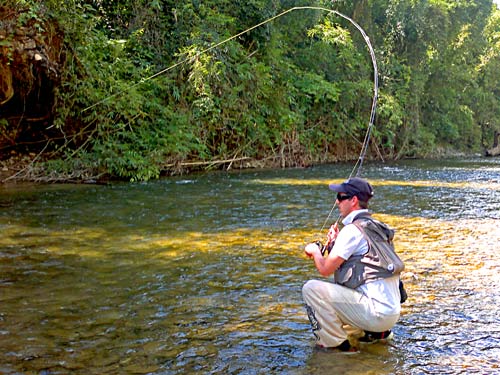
point(30, 63)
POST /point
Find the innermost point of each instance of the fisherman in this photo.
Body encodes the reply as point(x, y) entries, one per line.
point(364, 301)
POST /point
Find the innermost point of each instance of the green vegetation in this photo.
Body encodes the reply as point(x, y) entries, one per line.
point(295, 91)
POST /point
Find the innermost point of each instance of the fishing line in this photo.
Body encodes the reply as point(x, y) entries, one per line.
point(359, 164)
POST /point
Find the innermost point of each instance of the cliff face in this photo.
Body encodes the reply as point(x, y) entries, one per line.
point(31, 57)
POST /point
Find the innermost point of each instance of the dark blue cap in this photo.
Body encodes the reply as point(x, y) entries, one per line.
point(354, 186)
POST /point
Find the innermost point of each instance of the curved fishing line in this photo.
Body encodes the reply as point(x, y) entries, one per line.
point(359, 164)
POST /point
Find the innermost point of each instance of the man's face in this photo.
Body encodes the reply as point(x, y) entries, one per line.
point(346, 203)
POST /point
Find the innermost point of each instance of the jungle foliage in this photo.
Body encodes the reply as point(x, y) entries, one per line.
point(296, 91)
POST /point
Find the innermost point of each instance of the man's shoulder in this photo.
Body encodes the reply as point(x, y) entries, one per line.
point(354, 215)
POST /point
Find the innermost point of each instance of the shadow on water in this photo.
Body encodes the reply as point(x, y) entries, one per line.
point(203, 274)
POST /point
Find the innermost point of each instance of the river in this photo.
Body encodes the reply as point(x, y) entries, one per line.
point(202, 274)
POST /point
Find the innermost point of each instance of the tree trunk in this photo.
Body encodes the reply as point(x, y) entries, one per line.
point(495, 151)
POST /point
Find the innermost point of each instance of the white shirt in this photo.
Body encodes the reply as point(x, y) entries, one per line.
point(383, 293)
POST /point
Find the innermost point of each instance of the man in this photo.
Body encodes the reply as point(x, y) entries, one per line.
point(369, 306)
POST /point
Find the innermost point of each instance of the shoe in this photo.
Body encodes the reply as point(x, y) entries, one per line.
point(374, 337)
point(344, 348)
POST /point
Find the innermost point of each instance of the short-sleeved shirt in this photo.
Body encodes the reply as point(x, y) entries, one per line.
point(384, 293)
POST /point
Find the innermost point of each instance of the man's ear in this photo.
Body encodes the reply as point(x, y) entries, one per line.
point(355, 201)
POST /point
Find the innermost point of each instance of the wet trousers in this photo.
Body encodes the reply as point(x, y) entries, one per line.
point(336, 312)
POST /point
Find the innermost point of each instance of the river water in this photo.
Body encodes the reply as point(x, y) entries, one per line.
point(202, 274)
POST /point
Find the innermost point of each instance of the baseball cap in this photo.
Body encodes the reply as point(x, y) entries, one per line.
point(354, 186)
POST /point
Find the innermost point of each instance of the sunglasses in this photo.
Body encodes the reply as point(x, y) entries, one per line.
point(341, 198)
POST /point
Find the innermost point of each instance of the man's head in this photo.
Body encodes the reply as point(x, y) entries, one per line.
point(354, 187)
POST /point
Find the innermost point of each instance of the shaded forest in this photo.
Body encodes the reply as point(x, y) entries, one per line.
point(133, 89)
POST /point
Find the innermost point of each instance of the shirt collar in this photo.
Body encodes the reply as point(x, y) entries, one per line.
point(349, 218)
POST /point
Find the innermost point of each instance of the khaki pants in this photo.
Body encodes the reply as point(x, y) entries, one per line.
point(337, 312)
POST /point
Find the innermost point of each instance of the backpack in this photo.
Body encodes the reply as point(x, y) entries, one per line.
point(380, 237)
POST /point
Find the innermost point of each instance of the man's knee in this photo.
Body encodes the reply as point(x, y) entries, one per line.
point(315, 292)
point(309, 287)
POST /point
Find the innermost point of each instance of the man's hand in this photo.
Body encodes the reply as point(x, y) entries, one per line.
point(312, 249)
point(333, 232)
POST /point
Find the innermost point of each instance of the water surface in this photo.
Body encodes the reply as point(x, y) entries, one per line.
point(203, 274)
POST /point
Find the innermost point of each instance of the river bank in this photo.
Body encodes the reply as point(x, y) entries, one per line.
point(30, 168)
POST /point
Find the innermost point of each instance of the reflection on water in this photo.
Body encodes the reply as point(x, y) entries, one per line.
point(203, 274)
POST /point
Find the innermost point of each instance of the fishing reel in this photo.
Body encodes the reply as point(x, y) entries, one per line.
point(325, 249)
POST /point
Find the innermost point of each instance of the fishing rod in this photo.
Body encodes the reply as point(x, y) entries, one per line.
point(356, 171)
